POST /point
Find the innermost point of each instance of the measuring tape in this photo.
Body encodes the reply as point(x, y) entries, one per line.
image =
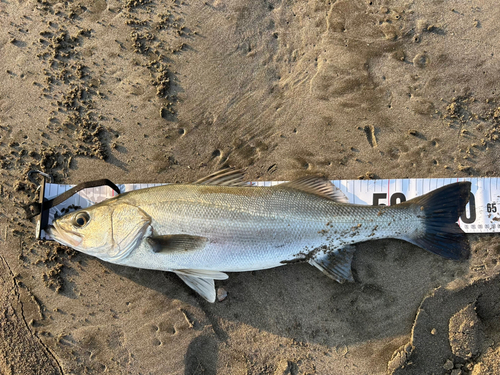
point(482, 214)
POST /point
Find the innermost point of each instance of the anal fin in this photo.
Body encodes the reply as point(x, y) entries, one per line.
point(335, 264)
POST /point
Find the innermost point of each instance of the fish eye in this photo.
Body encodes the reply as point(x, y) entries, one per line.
point(81, 219)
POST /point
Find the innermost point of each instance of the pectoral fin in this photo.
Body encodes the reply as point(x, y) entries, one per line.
point(176, 242)
point(204, 287)
point(335, 264)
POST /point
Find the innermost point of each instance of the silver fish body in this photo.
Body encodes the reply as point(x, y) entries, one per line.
point(201, 231)
point(257, 228)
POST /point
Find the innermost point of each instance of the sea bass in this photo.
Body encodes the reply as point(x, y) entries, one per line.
point(215, 225)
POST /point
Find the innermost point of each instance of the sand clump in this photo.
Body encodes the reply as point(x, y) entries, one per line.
point(465, 333)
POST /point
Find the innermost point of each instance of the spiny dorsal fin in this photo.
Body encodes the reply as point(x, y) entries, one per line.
point(176, 242)
point(318, 186)
point(204, 287)
point(335, 264)
point(224, 177)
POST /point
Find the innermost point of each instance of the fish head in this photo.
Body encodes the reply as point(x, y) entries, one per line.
point(107, 231)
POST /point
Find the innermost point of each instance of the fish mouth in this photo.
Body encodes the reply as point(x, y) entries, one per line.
point(50, 230)
point(63, 237)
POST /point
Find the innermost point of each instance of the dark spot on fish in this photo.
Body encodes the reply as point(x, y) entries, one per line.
point(296, 260)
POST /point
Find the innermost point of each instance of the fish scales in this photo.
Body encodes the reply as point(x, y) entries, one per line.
point(261, 227)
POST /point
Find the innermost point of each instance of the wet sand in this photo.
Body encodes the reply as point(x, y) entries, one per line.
point(149, 91)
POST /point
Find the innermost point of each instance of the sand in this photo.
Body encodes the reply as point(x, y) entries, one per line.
point(170, 91)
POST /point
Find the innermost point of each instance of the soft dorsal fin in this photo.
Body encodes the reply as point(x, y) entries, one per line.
point(176, 242)
point(335, 264)
point(224, 177)
point(317, 185)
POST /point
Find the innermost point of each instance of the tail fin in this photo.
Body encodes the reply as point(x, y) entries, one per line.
point(441, 209)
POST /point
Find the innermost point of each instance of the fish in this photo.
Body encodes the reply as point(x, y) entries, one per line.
point(219, 224)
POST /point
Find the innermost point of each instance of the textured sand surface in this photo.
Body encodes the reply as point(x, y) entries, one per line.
point(170, 91)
